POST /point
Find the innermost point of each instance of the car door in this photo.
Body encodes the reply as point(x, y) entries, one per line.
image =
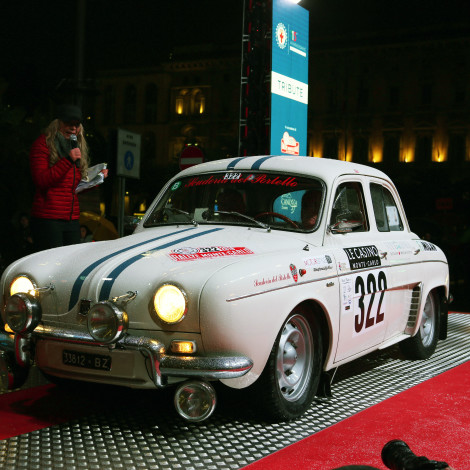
point(398, 248)
point(363, 271)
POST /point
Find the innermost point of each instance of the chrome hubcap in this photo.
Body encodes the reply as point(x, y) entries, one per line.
point(428, 321)
point(294, 357)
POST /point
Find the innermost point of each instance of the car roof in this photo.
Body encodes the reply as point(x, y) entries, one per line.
point(324, 168)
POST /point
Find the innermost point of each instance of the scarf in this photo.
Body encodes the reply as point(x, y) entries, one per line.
point(62, 145)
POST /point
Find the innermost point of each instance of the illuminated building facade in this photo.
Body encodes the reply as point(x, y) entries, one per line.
point(403, 102)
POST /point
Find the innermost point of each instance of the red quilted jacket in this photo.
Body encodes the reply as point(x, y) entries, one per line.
point(55, 196)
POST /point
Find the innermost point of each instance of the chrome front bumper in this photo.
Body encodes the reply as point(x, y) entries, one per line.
point(16, 356)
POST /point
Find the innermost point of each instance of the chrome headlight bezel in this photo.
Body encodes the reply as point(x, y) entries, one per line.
point(170, 302)
point(106, 322)
point(27, 310)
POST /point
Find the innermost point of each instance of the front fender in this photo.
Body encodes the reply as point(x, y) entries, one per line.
point(243, 307)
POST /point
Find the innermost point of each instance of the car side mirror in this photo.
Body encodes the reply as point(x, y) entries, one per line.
point(345, 226)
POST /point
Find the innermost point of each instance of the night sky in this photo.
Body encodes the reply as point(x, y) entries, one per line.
point(39, 38)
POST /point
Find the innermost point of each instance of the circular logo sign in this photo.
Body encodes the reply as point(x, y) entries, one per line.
point(281, 35)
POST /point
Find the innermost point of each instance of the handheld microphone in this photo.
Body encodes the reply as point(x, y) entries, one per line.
point(74, 144)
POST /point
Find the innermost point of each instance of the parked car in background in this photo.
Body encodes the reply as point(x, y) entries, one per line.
point(264, 273)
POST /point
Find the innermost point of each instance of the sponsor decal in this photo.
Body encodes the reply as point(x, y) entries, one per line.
point(208, 252)
point(398, 249)
point(227, 178)
point(427, 246)
point(319, 263)
point(294, 273)
point(343, 266)
point(361, 257)
point(289, 145)
point(176, 186)
point(271, 280)
point(289, 203)
point(281, 35)
point(232, 176)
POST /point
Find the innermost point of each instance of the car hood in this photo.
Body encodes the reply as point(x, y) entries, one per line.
point(183, 255)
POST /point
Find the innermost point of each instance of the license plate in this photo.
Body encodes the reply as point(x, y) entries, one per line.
point(88, 361)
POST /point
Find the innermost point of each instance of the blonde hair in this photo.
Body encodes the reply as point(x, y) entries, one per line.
point(51, 132)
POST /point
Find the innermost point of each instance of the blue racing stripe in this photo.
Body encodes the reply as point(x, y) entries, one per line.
point(259, 162)
point(232, 164)
point(83, 275)
point(108, 283)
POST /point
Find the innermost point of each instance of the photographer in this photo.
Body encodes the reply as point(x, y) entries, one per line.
point(397, 455)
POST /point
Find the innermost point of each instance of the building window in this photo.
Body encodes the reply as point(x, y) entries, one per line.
point(130, 104)
point(181, 102)
point(198, 102)
point(151, 95)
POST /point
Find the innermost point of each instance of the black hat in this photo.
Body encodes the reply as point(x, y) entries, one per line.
point(69, 113)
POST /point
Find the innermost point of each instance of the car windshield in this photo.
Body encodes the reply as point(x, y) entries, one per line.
point(268, 200)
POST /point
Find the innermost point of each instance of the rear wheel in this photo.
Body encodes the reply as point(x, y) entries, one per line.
point(290, 378)
point(423, 344)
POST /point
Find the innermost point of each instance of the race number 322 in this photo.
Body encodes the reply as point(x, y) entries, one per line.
point(367, 288)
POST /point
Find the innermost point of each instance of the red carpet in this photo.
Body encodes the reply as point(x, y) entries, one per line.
point(28, 410)
point(432, 418)
point(39, 407)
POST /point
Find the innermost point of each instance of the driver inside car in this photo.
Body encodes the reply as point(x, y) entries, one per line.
point(310, 207)
point(230, 200)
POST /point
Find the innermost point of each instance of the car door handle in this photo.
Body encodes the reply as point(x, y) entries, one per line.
point(416, 251)
point(383, 254)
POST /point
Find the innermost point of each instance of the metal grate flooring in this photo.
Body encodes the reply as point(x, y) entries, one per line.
point(136, 430)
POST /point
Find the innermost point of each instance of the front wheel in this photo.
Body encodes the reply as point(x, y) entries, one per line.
point(423, 344)
point(289, 381)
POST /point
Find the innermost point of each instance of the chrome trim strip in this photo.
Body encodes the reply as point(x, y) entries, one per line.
point(266, 291)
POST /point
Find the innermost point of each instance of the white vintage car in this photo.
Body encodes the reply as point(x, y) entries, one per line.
point(262, 273)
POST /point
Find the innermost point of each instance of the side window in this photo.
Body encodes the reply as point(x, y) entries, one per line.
point(349, 211)
point(386, 212)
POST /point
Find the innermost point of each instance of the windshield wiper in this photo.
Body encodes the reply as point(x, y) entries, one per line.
point(179, 211)
point(244, 216)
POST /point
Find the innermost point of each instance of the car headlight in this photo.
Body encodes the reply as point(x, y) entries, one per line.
point(106, 322)
point(22, 284)
point(22, 312)
point(170, 303)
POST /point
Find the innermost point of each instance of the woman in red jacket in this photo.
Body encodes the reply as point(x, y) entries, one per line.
point(58, 162)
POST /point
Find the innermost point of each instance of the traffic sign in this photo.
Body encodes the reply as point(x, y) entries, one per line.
point(128, 154)
point(191, 155)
